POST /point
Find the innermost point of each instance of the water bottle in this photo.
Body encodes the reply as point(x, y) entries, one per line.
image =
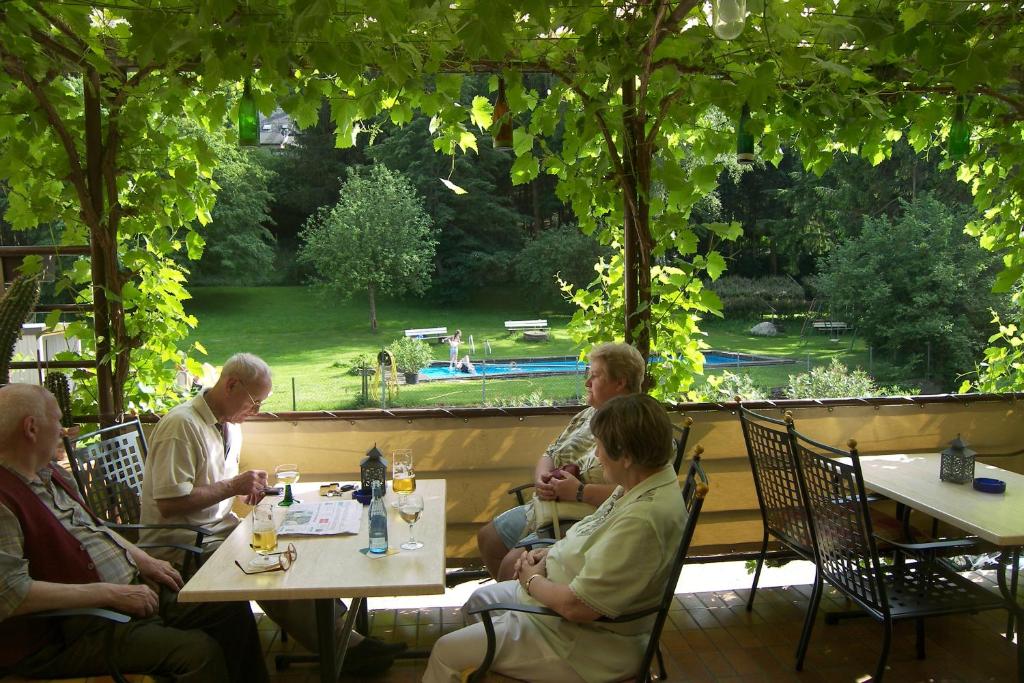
point(378, 521)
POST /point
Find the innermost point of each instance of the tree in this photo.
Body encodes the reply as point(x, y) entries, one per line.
point(560, 257)
point(377, 239)
point(479, 232)
point(914, 281)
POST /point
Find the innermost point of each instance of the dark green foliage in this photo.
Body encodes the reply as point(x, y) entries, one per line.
point(479, 232)
point(17, 303)
point(748, 297)
point(60, 386)
point(912, 281)
point(239, 246)
point(563, 252)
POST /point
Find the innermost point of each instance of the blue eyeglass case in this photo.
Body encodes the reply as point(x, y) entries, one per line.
point(987, 485)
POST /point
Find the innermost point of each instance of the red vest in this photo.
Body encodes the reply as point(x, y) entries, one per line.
point(53, 555)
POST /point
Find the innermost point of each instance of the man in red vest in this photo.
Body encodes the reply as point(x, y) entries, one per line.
point(53, 555)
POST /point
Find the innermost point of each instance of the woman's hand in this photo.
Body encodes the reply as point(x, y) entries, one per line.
point(529, 565)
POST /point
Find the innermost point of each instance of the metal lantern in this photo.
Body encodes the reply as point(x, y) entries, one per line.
point(373, 468)
point(957, 463)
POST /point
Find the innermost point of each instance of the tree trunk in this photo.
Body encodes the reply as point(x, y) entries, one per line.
point(373, 310)
point(638, 245)
point(100, 251)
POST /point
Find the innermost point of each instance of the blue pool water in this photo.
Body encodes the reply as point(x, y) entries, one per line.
point(441, 370)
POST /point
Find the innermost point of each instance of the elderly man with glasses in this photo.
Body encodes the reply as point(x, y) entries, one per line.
point(192, 477)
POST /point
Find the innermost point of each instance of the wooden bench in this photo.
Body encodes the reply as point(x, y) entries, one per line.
point(830, 326)
point(513, 326)
point(435, 333)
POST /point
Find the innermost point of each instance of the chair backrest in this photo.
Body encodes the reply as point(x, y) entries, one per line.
point(775, 479)
point(680, 441)
point(844, 544)
point(695, 488)
point(108, 465)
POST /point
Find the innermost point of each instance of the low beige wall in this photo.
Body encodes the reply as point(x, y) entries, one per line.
point(482, 454)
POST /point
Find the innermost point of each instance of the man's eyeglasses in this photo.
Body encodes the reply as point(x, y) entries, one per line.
point(285, 558)
point(256, 405)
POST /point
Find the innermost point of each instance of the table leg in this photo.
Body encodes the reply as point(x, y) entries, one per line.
point(1012, 557)
point(333, 646)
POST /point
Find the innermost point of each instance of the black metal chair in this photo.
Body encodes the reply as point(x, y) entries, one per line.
point(108, 465)
point(847, 557)
point(694, 490)
point(778, 492)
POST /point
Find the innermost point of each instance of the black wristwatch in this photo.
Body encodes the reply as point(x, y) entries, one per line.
point(579, 492)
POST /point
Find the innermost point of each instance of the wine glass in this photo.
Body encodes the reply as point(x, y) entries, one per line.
point(287, 474)
point(403, 478)
point(409, 509)
point(264, 536)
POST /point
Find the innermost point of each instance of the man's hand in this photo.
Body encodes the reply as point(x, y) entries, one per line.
point(565, 487)
point(138, 601)
point(157, 571)
point(250, 484)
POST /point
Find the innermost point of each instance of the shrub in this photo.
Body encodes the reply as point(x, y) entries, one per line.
point(746, 297)
point(832, 381)
point(727, 386)
point(411, 355)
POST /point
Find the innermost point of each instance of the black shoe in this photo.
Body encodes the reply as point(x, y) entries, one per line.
point(372, 647)
point(361, 665)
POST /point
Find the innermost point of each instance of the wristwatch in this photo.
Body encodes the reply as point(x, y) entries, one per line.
point(579, 492)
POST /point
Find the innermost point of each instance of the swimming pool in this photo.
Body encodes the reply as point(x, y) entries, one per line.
point(568, 365)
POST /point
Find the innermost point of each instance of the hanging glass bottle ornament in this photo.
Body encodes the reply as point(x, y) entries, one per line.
point(248, 118)
point(744, 138)
point(958, 144)
point(728, 18)
point(503, 138)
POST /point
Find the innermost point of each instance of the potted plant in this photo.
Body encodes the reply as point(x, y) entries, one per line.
point(411, 355)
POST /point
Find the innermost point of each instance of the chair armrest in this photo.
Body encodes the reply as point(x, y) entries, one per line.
point(193, 549)
point(188, 527)
point(516, 607)
point(632, 616)
point(517, 491)
point(82, 612)
point(539, 541)
point(932, 546)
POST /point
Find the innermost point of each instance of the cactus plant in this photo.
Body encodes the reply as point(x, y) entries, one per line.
point(60, 386)
point(15, 306)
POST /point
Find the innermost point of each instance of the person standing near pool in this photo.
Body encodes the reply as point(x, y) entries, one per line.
point(453, 349)
point(615, 370)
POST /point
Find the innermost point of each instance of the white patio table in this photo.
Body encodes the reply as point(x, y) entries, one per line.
point(913, 481)
point(330, 567)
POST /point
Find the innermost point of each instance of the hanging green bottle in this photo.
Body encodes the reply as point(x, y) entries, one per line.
point(248, 118)
point(958, 144)
point(744, 138)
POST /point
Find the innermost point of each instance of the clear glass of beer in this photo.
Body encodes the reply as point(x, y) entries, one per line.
point(264, 536)
point(403, 478)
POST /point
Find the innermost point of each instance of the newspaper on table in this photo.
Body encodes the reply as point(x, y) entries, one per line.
point(322, 519)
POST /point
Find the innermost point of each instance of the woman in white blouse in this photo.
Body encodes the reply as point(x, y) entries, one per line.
point(612, 562)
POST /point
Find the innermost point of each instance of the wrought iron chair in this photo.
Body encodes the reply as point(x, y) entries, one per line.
point(778, 491)
point(846, 553)
point(108, 465)
point(694, 490)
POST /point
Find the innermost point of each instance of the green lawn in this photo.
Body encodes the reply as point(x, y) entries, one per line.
point(313, 341)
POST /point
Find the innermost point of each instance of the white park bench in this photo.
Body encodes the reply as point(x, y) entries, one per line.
point(437, 333)
point(524, 325)
point(830, 326)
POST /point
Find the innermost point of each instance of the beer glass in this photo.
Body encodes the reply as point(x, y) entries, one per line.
point(264, 536)
point(403, 478)
point(409, 509)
